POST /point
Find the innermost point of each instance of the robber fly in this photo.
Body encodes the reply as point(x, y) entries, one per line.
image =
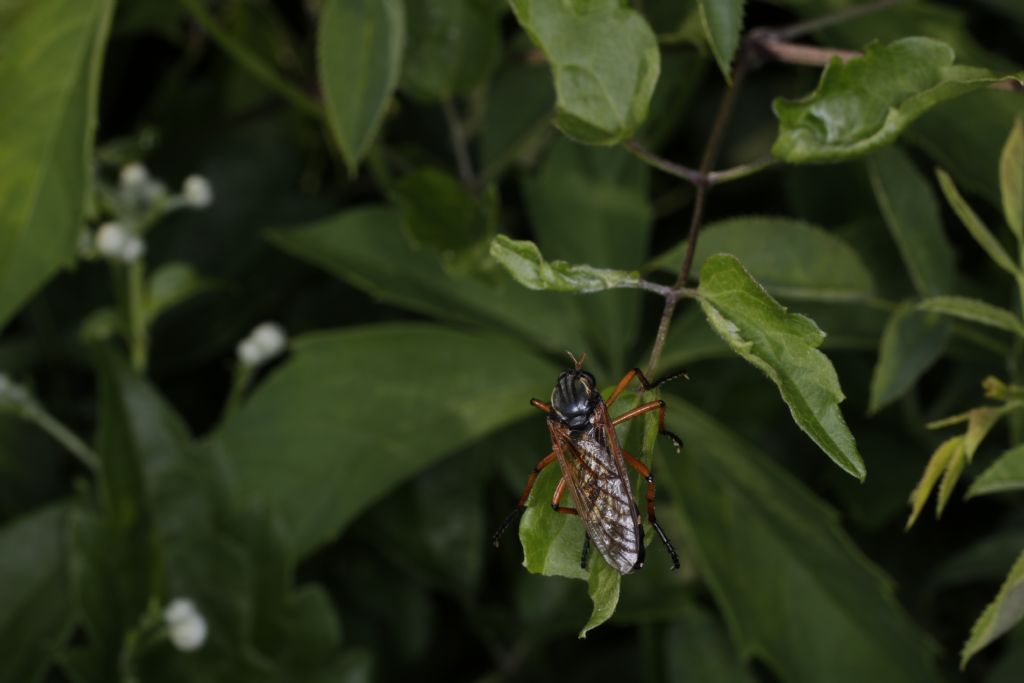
point(593, 465)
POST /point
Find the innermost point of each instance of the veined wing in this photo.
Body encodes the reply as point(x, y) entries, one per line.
point(596, 475)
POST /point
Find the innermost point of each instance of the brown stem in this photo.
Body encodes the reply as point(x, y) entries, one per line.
point(797, 53)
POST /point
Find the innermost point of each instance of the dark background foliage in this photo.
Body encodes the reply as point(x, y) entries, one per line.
point(335, 525)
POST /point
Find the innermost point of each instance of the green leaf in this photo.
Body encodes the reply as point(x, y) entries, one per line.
point(911, 343)
point(50, 70)
point(911, 211)
point(592, 205)
point(364, 246)
point(784, 346)
point(815, 265)
point(979, 423)
point(951, 449)
point(950, 477)
point(605, 62)
point(35, 608)
point(1002, 614)
point(1005, 474)
point(603, 588)
point(697, 648)
point(742, 510)
point(360, 46)
point(439, 212)
point(723, 23)
point(520, 102)
point(172, 284)
point(975, 310)
point(452, 45)
point(979, 231)
point(1011, 179)
point(866, 103)
point(346, 407)
point(523, 260)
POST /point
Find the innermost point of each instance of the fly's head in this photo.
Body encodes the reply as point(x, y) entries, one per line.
point(574, 398)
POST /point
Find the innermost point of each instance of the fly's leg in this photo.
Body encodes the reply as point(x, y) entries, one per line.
point(638, 374)
point(646, 474)
point(546, 407)
point(511, 517)
point(658, 405)
point(555, 500)
point(586, 551)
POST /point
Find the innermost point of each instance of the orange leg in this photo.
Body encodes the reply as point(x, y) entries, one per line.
point(658, 405)
point(646, 474)
point(638, 374)
point(557, 498)
point(521, 505)
point(546, 407)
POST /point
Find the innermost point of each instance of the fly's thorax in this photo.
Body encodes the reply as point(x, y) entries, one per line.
point(574, 399)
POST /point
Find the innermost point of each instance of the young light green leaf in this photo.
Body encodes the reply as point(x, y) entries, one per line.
point(1011, 179)
point(603, 588)
point(722, 21)
point(815, 265)
point(451, 46)
point(866, 103)
point(364, 246)
point(948, 450)
point(975, 310)
point(742, 509)
point(605, 62)
point(35, 612)
point(979, 231)
point(979, 424)
point(1002, 614)
point(334, 402)
point(1005, 474)
point(911, 343)
point(911, 211)
point(784, 346)
point(50, 71)
point(359, 57)
point(523, 260)
point(954, 468)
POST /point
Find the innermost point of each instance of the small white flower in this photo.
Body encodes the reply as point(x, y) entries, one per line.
point(197, 191)
point(249, 352)
point(271, 339)
point(133, 249)
point(111, 238)
point(186, 625)
point(134, 176)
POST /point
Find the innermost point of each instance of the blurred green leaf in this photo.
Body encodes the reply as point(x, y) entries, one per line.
point(591, 205)
point(359, 57)
point(365, 247)
point(439, 212)
point(451, 46)
point(172, 284)
point(815, 265)
point(950, 477)
point(35, 608)
point(975, 310)
point(784, 346)
point(949, 451)
point(742, 510)
point(911, 343)
point(1002, 614)
point(1011, 178)
point(911, 211)
point(52, 54)
point(697, 648)
point(347, 405)
point(1005, 474)
point(723, 23)
point(979, 231)
point(866, 103)
point(524, 262)
point(604, 60)
point(520, 102)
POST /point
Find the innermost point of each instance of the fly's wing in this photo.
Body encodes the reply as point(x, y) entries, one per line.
point(594, 469)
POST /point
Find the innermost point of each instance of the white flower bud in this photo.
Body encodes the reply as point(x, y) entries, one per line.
point(249, 352)
point(186, 625)
point(197, 191)
point(111, 238)
point(134, 176)
point(132, 249)
point(270, 338)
